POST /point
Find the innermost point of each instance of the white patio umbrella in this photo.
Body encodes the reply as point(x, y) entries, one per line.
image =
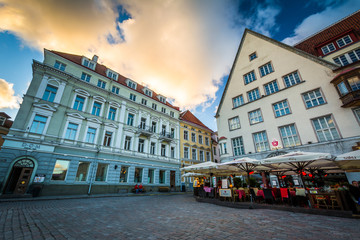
point(191, 174)
point(349, 162)
point(209, 167)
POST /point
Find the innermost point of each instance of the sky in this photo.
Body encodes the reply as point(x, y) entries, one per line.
point(182, 49)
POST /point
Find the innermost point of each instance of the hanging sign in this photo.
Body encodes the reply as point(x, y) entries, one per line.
point(214, 181)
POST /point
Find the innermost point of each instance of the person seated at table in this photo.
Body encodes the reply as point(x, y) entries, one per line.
point(140, 188)
point(136, 188)
point(355, 190)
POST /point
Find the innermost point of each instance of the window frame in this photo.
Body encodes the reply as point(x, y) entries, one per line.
point(267, 141)
point(296, 83)
point(238, 125)
point(251, 91)
point(335, 126)
point(292, 136)
point(249, 77)
point(267, 84)
point(268, 68)
point(85, 77)
point(311, 99)
point(241, 100)
point(249, 117)
point(288, 107)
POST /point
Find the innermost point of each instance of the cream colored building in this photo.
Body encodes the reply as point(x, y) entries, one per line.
point(280, 97)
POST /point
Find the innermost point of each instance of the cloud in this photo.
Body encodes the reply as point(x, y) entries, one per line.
point(316, 22)
point(180, 49)
point(7, 98)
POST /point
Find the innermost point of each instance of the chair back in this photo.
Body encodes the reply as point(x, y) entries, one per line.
point(241, 188)
point(256, 190)
point(252, 192)
point(300, 192)
point(246, 190)
point(268, 194)
point(284, 193)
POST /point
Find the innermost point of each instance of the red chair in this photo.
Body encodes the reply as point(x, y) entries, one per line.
point(284, 194)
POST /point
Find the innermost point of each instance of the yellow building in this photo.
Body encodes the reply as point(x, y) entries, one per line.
point(195, 142)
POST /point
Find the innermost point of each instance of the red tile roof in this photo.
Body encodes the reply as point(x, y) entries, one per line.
point(3, 114)
point(189, 117)
point(349, 23)
point(101, 69)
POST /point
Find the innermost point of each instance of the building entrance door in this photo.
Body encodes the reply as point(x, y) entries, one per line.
point(172, 180)
point(19, 177)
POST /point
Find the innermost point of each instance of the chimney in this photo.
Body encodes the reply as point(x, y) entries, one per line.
point(95, 58)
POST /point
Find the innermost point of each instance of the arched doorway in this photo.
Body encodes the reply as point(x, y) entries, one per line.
point(19, 177)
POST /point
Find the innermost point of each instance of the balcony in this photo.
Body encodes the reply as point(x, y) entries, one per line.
point(166, 137)
point(144, 130)
point(352, 99)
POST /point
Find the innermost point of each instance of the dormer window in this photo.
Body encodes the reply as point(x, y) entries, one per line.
point(328, 48)
point(131, 84)
point(2, 121)
point(148, 92)
point(162, 99)
point(111, 74)
point(88, 63)
point(344, 41)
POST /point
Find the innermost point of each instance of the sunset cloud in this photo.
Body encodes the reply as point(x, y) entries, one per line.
point(180, 49)
point(7, 98)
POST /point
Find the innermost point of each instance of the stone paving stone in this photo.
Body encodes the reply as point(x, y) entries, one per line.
point(162, 217)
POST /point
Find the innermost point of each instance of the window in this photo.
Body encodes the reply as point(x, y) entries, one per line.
point(148, 92)
point(238, 101)
point(132, 97)
point(162, 176)
point(115, 90)
point(142, 123)
point(172, 151)
point(107, 138)
point(131, 85)
point(2, 121)
point(255, 116)
point(163, 130)
point(328, 48)
point(163, 110)
point(90, 135)
point(71, 131)
point(152, 148)
point(101, 84)
point(186, 135)
point(253, 95)
point(162, 99)
point(342, 88)
point(193, 137)
point(234, 123)
point(172, 114)
point(200, 139)
point(291, 79)
point(143, 101)
point(224, 149)
point(86, 77)
point(238, 146)
point(208, 156)
point(153, 127)
point(172, 133)
point(344, 41)
point(186, 152)
point(88, 63)
point(130, 120)
point(49, 94)
point(151, 176)
point(342, 60)
point(325, 129)
point(289, 136)
point(38, 124)
point(101, 172)
point(138, 175)
point(124, 174)
point(193, 153)
point(112, 113)
point(59, 65)
point(96, 109)
point(141, 145)
point(79, 103)
point(249, 77)
point(214, 150)
point(112, 75)
point(281, 108)
point(313, 98)
point(163, 150)
point(271, 87)
point(206, 141)
point(201, 155)
point(60, 170)
point(261, 142)
point(252, 56)
point(354, 83)
point(82, 172)
point(154, 106)
point(127, 144)
point(265, 69)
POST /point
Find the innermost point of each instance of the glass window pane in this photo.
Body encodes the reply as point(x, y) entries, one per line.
point(60, 170)
point(82, 171)
point(101, 172)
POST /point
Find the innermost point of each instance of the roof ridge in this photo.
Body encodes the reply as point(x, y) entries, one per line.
point(329, 26)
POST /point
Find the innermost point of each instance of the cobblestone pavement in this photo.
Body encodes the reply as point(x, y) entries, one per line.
point(162, 217)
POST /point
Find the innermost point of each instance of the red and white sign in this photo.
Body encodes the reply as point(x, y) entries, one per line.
point(275, 142)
